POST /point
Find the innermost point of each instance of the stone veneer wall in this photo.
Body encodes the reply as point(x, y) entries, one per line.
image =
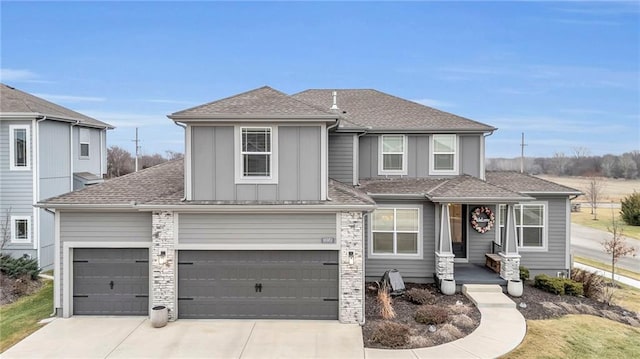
point(351, 275)
point(163, 282)
point(509, 266)
point(444, 265)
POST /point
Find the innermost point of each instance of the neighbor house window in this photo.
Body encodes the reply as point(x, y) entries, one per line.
point(19, 148)
point(20, 229)
point(393, 155)
point(530, 225)
point(444, 154)
point(85, 140)
point(395, 232)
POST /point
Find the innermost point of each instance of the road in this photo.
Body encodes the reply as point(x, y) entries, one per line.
point(587, 242)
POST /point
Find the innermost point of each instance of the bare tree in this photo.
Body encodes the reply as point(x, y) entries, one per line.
point(616, 246)
point(580, 152)
point(593, 193)
point(172, 155)
point(147, 161)
point(5, 229)
point(560, 163)
point(119, 162)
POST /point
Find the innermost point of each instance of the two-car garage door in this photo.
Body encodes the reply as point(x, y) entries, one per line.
point(258, 284)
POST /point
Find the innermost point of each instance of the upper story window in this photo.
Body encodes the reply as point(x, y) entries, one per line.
point(392, 155)
point(20, 232)
point(85, 141)
point(395, 232)
point(444, 149)
point(19, 148)
point(530, 226)
point(256, 159)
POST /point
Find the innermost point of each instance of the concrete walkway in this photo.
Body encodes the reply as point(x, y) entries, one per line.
point(625, 280)
point(501, 330)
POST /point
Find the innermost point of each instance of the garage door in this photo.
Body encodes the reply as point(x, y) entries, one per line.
point(110, 281)
point(258, 284)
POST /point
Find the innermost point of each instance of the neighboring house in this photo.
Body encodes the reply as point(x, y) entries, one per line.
point(45, 150)
point(285, 205)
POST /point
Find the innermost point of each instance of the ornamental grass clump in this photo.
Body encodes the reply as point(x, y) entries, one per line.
point(390, 334)
point(385, 303)
point(431, 314)
point(420, 296)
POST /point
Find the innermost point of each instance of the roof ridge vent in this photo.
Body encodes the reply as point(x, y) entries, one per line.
point(335, 101)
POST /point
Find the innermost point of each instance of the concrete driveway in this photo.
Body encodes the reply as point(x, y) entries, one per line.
point(133, 337)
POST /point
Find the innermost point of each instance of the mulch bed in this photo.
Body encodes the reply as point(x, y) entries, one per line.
point(420, 336)
point(539, 304)
point(14, 288)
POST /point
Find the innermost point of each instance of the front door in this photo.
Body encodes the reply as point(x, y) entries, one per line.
point(458, 231)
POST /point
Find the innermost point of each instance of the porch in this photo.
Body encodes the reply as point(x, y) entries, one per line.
point(471, 273)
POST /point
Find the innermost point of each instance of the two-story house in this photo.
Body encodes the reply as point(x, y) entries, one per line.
point(284, 206)
point(45, 150)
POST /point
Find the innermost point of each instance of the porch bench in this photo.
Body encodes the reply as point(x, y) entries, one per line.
point(492, 261)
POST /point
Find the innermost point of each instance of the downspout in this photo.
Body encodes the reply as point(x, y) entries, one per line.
point(184, 198)
point(71, 154)
point(483, 160)
point(358, 159)
point(327, 164)
point(35, 167)
point(55, 271)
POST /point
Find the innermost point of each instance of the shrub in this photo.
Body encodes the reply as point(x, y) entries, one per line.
point(420, 296)
point(19, 267)
point(630, 209)
point(549, 284)
point(592, 283)
point(524, 273)
point(449, 333)
point(385, 303)
point(431, 314)
point(391, 334)
point(463, 321)
point(573, 288)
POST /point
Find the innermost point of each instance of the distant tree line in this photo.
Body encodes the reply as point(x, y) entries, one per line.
point(579, 163)
point(121, 162)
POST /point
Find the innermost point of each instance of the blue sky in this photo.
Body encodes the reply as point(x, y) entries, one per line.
point(565, 73)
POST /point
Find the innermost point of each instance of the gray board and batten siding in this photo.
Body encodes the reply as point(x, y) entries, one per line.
point(412, 270)
point(469, 158)
point(94, 228)
point(16, 187)
point(341, 157)
point(299, 166)
point(256, 229)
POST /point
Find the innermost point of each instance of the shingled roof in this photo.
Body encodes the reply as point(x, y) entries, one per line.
point(263, 102)
point(528, 184)
point(15, 101)
point(380, 111)
point(162, 185)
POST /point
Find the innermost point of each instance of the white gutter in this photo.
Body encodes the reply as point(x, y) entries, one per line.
point(35, 168)
point(324, 159)
point(71, 154)
point(187, 161)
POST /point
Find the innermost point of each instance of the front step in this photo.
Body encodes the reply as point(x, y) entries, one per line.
point(487, 296)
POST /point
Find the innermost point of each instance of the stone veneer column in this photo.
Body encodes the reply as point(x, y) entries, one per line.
point(163, 283)
point(351, 299)
point(444, 265)
point(509, 266)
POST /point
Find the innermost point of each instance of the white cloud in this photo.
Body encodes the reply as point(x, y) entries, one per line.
point(20, 75)
point(70, 98)
point(433, 102)
point(124, 119)
point(553, 124)
point(171, 102)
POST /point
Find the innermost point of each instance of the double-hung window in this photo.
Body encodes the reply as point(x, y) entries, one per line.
point(444, 150)
point(395, 232)
point(530, 225)
point(256, 152)
point(393, 155)
point(20, 231)
point(19, 148)
point(85, 141)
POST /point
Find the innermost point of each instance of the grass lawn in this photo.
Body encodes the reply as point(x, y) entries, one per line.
point(585, 218)
point(627, 297)
point(578, 336)
point(20, 318)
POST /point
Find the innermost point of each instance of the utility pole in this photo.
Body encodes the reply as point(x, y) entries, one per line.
point(522, 144)
point(137, 141)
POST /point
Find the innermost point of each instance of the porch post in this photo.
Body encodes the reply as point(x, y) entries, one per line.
point(444, 254)
point(509, 257)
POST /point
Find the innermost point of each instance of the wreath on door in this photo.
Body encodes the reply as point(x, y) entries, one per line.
point(482, 219)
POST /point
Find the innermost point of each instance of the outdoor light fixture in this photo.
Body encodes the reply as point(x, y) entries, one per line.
point(162, 257)
point(350, 257)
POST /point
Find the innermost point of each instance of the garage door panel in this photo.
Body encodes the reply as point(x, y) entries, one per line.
point(110, 281)
point(293, 284)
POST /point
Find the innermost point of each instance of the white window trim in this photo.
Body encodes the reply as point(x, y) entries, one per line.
point(13, 229)
point(239, 177)
point(12, 164)
point(80, 143)
point(381, 153)
point(420, 253)
point(432, 153)
point(545, 227)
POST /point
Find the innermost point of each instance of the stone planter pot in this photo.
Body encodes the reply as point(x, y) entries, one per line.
point(515, 288)
point(448, 286)
point(159, 316)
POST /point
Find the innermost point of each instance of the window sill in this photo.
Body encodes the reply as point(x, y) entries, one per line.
point(256, 181)
point(392, 173)
point(26, 241)
point(20, 168)
point(532, 249)
point(445, 173)
point(395, 256)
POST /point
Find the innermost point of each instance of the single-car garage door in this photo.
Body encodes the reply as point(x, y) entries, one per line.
point(258, 284)
point(110, 281)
